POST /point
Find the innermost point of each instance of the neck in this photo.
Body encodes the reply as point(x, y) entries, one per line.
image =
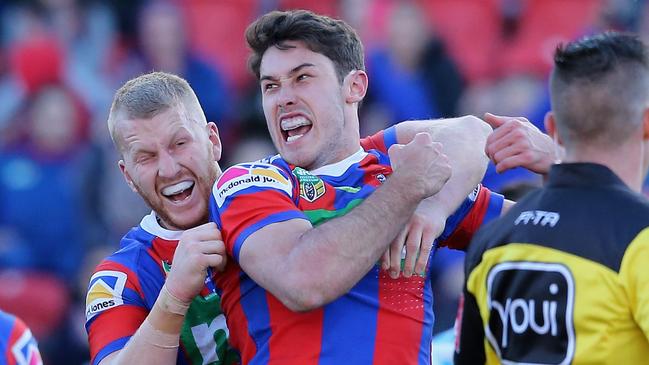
point(625, 160)
point(348, 142)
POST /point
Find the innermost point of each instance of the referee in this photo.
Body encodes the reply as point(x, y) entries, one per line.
point(563, 277)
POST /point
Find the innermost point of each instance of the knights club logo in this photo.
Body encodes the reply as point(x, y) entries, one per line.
point(311, 187)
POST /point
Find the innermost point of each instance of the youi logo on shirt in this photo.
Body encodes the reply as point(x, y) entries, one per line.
point(531, 312)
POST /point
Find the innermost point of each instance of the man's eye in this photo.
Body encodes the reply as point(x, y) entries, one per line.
point(143, 159)
point(267, 87)
point(302, 77)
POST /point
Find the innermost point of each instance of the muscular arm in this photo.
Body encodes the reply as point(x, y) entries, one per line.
point(463, 141)
point(166, 328)
point(307, 267)
point(157, 339)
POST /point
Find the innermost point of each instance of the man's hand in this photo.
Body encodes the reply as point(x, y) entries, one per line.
point(426, 224)
point(198, 249)
point(421, 165)
point(425, 170)
point(515, 142)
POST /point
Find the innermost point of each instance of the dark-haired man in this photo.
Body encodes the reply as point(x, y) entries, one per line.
point(306, 228)
point(562, 277)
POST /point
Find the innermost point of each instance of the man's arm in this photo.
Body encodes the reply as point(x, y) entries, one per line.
point(156, 340)
point(463, 140)
point(307, 267)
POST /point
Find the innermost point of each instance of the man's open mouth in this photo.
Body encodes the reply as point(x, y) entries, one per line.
point(179, 191)
point(295, 127)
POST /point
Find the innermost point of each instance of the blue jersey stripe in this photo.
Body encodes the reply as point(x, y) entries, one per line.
point(273, 218)
point(255, 308)
point(343, 198)
point(427, 328)
point(7, 322)
point(390, 137)
point(350, 322)
point(214, 212)
point(456, 218)
point(116, 345)
point(495, 207)
point(150, 285)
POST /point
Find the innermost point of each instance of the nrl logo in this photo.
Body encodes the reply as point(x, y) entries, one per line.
point(166, 267)
point(311, 187)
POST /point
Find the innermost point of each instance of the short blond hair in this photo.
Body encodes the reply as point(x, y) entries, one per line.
point(148, 95)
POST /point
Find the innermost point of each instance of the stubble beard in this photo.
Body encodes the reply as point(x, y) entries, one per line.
point(165, 219)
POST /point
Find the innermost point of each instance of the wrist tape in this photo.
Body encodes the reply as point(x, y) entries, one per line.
point(170, 303)
point(149, 334)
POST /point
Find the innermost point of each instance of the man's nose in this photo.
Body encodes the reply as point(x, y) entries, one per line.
point(286, 96)
point(168, 166)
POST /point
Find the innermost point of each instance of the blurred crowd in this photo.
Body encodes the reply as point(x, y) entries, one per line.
point(64, 204)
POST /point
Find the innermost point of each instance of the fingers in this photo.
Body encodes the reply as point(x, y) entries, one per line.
point(494, 121)
point(211, 247)
point(395, 149)
point(511, 162)
point(216, 261)
point(423, 138)
point(427, 242)
point(204, 232)
point(498, 139)
point(507, 153)
point(395, 253)
point(393, 153)
point(385, 260)
point(412, 251)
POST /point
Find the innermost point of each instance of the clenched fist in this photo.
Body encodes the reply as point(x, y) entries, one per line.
point(198, 248)
point(421, 166)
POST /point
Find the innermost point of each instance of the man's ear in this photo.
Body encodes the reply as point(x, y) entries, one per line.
point(127, 177)
point(355, 84)
point(551, 128)
point(213, 135)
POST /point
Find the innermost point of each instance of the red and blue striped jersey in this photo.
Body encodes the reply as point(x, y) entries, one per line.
point(125, 286)
point(17, 345)
point(380, 320)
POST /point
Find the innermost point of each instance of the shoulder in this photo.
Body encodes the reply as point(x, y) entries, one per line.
point(496, 231)
point(265, 174)
point(118, 279)
point(7, 324)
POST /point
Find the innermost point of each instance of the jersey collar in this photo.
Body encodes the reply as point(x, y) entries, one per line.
point(339, 168)
point(150, 224)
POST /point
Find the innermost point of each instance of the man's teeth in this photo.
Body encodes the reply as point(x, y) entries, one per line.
point(177, 188)
point(295, 122)
point(293, 138)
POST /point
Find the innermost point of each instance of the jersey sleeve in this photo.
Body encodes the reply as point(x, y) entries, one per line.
point(633, 273)
point(21, 347)
point(380, 141)
point(480, 207)
point(115, 309)
point(248, 197)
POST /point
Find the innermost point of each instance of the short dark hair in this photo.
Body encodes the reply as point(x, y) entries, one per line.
point(330, 37)
point(600, 87)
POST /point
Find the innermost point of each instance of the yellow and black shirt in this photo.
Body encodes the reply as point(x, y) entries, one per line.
point(562, 278)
